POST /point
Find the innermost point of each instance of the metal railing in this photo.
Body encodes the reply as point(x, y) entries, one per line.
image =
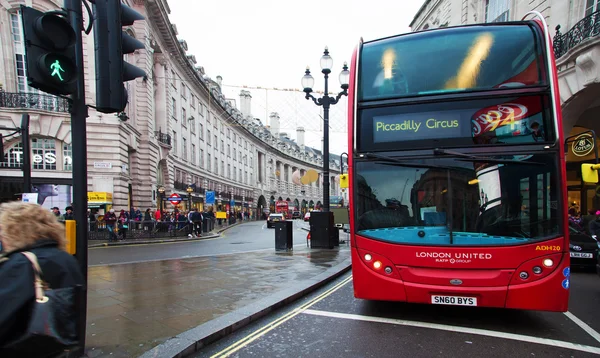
point(163, 138)
point(42, 102)
point(586, 28)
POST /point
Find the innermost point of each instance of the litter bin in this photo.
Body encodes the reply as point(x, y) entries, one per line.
point(283, 235)
point(321, 230)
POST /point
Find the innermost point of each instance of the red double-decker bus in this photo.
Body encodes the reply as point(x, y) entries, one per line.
point(457, 178)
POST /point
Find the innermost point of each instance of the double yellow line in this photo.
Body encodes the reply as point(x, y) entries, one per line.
point(266, 329)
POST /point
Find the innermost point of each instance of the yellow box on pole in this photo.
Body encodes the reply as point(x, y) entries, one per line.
point(70, 234)
point(344, 181)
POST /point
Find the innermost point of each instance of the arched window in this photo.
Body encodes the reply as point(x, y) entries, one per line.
point(46, 154)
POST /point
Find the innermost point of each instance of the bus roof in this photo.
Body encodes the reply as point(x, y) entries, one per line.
point(452, 59)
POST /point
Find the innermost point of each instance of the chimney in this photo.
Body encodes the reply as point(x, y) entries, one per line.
point(274, 123)
point(245, 103)
point(300, 137)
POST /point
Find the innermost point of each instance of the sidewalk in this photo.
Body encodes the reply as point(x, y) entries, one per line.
point(163, 308)
point(157, 240)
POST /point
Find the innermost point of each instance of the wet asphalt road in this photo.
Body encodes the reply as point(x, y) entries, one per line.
point(332, 323)
point(251, 236)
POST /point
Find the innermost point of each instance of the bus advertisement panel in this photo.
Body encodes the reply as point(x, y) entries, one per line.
point(457, 179)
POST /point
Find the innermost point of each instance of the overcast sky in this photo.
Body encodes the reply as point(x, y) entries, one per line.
point(269, 43)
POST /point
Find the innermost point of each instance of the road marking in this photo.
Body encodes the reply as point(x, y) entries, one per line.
point(458, 329)
point(583, 325)
point(266, 329)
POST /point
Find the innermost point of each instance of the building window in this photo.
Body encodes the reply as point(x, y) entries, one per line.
point(234, 156)
point(193, 154)
point(44, 153)
point(240, 172)
point(217, 166)
point(184, 148)
point(200, 131)
point(245, 177)
point(222, 168)
point(175, 143)
point(216, 142)
point(208, 136)
point(222, 146)
point(201, 158)
point(228, 133)
point(591, 7)
point(229, 171)
point(67, 157)
point(183, 91)
point(192, 125)
point(183, 118)
point(496, 10)
point(208, 162)
point(193, 101)
point(228, 150)
point(173, 80)
point(174, 108)
point(200, 108)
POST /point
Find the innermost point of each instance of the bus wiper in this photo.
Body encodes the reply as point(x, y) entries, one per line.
point(477, 158)
point(399, 163)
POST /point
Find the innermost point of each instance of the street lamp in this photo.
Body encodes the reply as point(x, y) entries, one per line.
point(161, 193)
point(189, 190)
point(326, 101)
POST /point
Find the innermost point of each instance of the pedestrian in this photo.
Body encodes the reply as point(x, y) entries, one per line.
point(110, 219)
point(43, 240)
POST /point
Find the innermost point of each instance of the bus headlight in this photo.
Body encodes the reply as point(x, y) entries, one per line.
point(548, 262)
point(368, 257)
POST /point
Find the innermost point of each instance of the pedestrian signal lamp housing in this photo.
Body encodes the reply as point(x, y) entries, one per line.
point(589, 173)
point(49, 51)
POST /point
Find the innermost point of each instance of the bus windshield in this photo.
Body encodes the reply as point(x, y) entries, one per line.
point(451, 60)
point(491, 200)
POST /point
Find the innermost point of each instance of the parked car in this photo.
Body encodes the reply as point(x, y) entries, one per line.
point(273, 218)
point(307, 216)
point(296, 215)
point(583, 247)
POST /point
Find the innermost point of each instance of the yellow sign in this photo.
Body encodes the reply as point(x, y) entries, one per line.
point(221, 215)
point(344, 181)
point(99, 197)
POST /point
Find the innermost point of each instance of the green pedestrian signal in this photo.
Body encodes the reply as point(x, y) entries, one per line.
point(56, 68)
point(49, 51)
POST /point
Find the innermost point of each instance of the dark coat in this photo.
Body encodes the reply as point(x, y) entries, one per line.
point(59, 270)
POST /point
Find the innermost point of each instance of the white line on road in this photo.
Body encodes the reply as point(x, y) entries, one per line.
point(458, 329)
point(583, 326)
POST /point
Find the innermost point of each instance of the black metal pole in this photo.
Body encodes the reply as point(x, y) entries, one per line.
point(26, 143)
point(326, 145)
point(79, 142)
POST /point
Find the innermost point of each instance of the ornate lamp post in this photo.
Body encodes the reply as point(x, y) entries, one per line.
point(189, 190)
point(161, 193)
point(326, 101)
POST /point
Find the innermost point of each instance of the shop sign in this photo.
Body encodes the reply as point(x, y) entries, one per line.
point(99, 197)
point(583, 145)
point(47, 158)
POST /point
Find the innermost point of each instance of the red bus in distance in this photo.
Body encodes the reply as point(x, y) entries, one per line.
point(457, 182)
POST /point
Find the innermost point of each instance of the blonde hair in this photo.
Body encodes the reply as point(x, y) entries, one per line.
point(23, 224)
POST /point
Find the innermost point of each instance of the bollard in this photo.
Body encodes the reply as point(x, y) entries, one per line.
point(70, 235)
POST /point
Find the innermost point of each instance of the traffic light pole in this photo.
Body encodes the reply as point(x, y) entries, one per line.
point(79, 143)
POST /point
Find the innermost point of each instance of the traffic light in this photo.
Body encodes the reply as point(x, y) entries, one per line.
point(49, 51)
point(111, 43)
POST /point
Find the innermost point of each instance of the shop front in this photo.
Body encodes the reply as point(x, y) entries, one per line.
point(99, 202)
point(581, 148)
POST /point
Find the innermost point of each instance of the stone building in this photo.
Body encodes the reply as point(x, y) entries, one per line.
point(178, 133)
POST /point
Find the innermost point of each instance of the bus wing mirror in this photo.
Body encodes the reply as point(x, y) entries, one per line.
point(589, 173)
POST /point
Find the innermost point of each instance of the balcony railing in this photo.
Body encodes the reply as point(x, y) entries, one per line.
point(586, 28)
point(163, 138)
point(42, 102)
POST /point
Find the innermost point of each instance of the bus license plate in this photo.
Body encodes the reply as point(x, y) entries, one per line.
point(585, 255)
point(454, 300)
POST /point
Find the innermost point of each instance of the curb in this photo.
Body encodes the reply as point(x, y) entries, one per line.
point(159, 241)
point(191, 341)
